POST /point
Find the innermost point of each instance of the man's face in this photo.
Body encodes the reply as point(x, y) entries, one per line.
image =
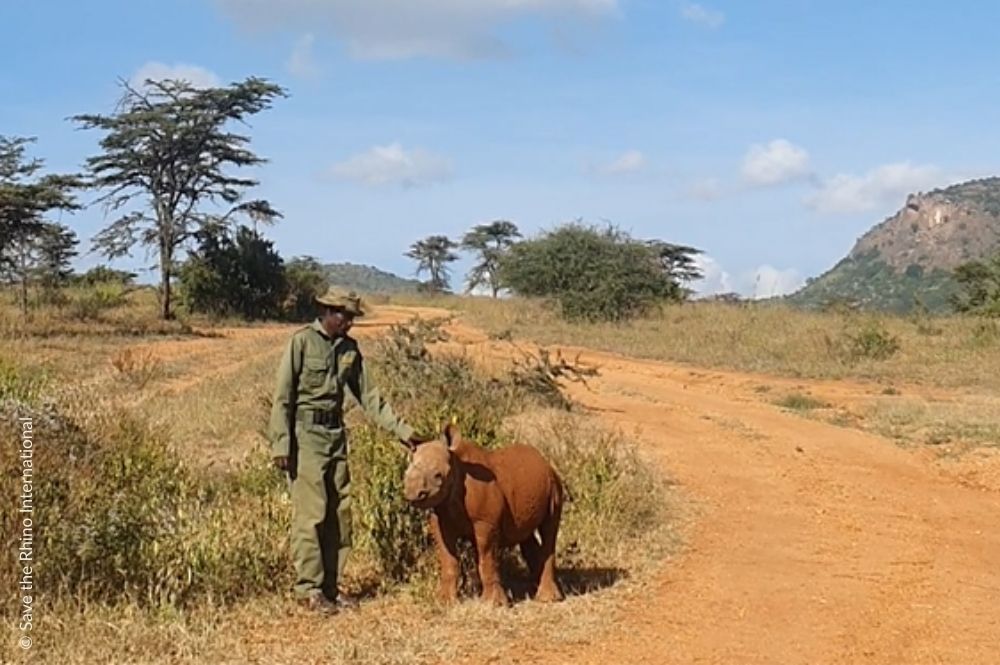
point(336, 322)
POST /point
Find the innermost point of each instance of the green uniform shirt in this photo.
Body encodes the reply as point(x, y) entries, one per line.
point(313, 374)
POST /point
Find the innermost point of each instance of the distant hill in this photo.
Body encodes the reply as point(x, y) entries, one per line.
point(911, 255)
point(367, 279)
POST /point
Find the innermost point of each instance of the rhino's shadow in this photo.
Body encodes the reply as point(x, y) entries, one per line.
point(574, 581)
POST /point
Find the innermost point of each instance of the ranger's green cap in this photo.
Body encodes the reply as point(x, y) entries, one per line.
point(348, 301)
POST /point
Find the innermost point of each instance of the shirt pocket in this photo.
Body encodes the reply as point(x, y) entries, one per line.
point(314, 372)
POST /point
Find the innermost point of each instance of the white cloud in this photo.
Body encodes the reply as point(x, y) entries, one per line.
point(392, 29)
point(883, 185)
point(768, 281)
point(197, 76)
point(301, 63)
point(392, 165)
point(715, 280)
point(777, 162)
point(706, 189)
point(702, 15)
point(765, 281)
point(630, 161)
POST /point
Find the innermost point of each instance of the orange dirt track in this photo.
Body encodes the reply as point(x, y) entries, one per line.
point(813, 544)
point(810, 543)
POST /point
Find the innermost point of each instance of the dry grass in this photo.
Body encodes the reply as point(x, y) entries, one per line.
point(203, 395)
point(953, 352)
point(207, 403)
point(137, 366)
point(390, 630)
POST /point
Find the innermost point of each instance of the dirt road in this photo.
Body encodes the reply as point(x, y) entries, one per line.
point(812, 544)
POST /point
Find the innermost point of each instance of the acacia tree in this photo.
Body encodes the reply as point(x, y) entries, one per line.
point(489, 242)
point(593, 273)
point(42, 257)
point(676, 261)
point(433, 254)
point(166, 165)
point(25, 199)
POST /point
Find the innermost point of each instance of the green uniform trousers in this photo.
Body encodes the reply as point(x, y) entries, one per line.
point(321, 510)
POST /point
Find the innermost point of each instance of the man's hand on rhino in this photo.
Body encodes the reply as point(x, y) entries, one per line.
point(281, 462)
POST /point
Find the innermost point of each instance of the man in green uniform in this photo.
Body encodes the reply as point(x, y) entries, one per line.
point(320, 364)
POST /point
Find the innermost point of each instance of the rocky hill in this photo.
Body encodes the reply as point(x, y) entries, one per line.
point(367, 279)
point(909, 257)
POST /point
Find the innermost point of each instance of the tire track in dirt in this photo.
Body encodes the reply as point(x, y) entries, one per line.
point(814, 543)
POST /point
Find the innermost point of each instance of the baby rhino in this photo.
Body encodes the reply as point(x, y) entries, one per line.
point(496, 498)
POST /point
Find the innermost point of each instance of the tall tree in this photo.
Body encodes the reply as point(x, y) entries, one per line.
point(166, 165)
point(489, 242)
point(677, 262)
point(41, 256)
point(25, 199)
point(433, 254)
point(56, 248)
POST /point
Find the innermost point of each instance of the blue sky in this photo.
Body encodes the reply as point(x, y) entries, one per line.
point(770, 134)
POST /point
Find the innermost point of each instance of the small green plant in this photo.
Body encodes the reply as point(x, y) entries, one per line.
point(868, 341)
point(874, 342)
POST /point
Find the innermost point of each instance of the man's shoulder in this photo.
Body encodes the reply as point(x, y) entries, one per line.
point(304, 332)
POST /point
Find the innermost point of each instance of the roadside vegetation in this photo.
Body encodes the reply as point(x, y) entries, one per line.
point(156, 539)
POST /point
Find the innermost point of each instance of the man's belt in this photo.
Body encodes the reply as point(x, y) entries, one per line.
point(325, 418)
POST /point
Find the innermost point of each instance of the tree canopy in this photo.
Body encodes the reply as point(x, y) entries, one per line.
point(980, 287)
point(238, 274)
point(433, 254)
point(28, 241)
point(593, 273)
point(166, 162)
point(488, 242)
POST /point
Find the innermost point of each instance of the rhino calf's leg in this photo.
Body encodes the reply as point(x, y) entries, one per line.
point(531, 550)
point(446, 545)
point(489, 573)
point(548, 587)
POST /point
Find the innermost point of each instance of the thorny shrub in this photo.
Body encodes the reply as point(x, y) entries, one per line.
point(121, 519)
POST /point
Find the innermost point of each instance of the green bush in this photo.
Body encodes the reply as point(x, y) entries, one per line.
point(615, 498)
point(869, 340)
point(873, 342)
point(92, 302)
point(305, 279)
point(593, 274)
point(120, 518)
point(615, 501)
point(240, 275)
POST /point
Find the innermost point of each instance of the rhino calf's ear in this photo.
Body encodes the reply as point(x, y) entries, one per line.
point(451, 434)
